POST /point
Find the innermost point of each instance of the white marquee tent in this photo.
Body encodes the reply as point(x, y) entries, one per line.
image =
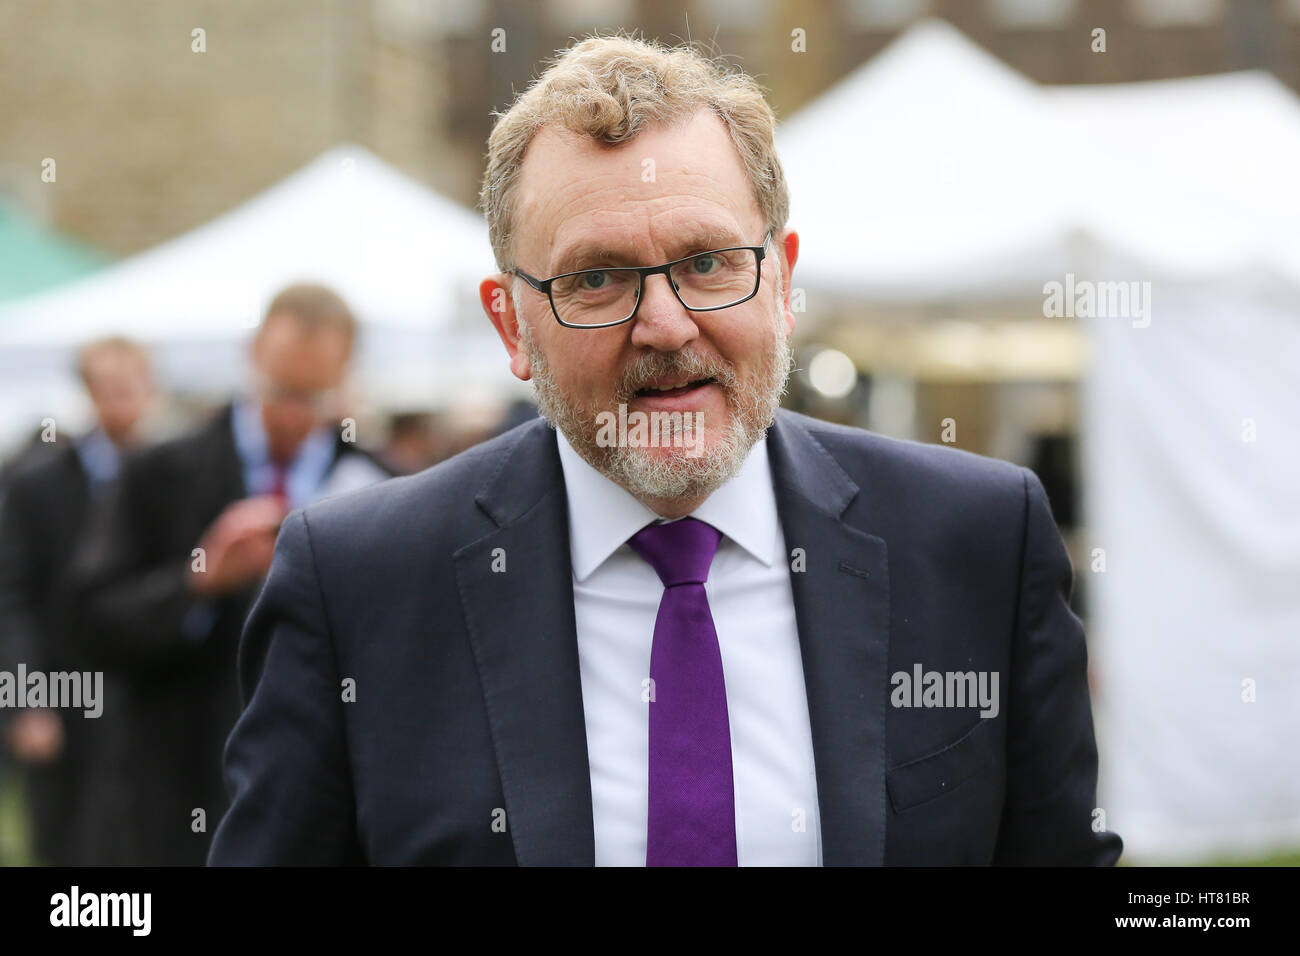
point(935, 170)
point(406, 259)
point(922, 174)
point(934, 173)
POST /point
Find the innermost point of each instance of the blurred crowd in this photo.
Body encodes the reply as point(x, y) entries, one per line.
point(139, 560)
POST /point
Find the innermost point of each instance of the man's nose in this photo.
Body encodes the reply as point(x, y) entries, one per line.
point(662, 322)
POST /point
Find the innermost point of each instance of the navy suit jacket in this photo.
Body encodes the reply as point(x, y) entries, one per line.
point(407, 703)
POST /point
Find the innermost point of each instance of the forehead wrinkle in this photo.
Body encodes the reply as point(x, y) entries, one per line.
point(673, 227)
point(611, 210)
point(564, 203)
point(589, 250)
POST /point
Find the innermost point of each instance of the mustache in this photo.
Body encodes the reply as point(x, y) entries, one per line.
point(689, 365)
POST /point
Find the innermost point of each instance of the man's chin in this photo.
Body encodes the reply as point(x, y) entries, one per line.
point(691, 449)
point(683, 473)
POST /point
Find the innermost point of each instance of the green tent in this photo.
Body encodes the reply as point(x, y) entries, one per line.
point(33, 258)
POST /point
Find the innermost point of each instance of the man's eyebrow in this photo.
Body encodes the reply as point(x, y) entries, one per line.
point(581, 255)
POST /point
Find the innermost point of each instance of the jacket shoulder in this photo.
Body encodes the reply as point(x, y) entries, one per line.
point(36, 466)
point(189, 449)
point(437, 501)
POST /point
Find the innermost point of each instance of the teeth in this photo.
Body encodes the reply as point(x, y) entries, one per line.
point(665, 388)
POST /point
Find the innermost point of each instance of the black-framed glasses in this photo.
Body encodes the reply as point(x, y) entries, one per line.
point(703, 282)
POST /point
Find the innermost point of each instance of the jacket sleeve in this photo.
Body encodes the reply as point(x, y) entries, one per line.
point(286, 762)
point(133, 595)
point(1048, 817)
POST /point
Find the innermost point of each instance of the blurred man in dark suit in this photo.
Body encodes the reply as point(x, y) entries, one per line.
point(49, 493)
point(611, 643)
point(172, 562)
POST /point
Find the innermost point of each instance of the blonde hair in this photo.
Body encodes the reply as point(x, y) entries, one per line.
point(120, 345)
point(314, 307)
point(611, 88)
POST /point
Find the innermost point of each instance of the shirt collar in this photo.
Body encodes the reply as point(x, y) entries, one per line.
point(603, 514)
point(303, 475)
point(99, 456)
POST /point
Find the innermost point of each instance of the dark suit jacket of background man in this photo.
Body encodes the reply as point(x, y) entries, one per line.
point(42, 515)
point(467, 696)
point(181, 695)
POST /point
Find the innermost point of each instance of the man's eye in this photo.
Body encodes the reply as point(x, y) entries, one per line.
point(703, 265)
point(591, 281)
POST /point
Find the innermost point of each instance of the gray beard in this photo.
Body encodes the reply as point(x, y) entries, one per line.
point(752, 402)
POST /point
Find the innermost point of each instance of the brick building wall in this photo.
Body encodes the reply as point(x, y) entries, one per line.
point(152, 139)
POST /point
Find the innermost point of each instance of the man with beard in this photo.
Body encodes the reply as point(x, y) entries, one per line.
point(558, 649)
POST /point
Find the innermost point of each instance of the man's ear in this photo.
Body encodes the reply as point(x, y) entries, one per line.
point(499, 304)
point(789, 245)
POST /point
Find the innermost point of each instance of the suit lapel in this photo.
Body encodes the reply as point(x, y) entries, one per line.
point(522, 631)
point(842, 610)
point(521, 628)
point(74, 483)
point(225, 469)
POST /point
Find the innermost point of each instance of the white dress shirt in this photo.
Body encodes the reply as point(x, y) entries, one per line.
point(316, 471)
point(311, 463)
point(616, 599)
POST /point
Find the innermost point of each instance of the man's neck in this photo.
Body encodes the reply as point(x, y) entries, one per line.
point(125, 443)
point(672, 507)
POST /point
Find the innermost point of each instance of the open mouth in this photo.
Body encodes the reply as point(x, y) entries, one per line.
point(669, 390)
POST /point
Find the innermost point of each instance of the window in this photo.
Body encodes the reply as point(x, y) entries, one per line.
point(747, 15)
point(1176, 13)
point(1031, 14)
point(583, 15)
point(884, 14)
point(413, 22)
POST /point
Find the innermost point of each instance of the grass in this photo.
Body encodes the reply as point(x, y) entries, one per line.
point(15, 848)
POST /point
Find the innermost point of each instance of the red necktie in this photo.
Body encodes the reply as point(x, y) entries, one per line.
point(278, 484)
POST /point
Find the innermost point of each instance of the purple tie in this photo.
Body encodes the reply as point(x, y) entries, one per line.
point(692, 808)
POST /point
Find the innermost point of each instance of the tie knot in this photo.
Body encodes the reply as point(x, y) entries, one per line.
point(679, 551)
